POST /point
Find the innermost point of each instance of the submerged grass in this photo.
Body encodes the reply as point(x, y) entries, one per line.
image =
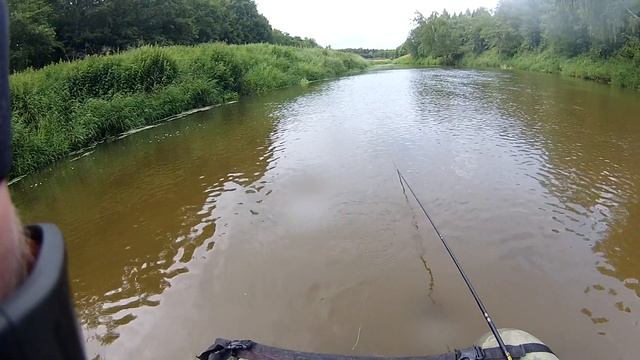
point(68, 106)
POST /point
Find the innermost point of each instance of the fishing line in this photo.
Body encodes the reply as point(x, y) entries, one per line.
point(476, 297)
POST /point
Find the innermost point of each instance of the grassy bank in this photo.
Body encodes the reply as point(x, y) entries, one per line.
point(408, 60)
point(68, 106)
point(617, 71)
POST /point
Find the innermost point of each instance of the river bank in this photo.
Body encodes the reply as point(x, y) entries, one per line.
point(615, 71)
point(68, 106)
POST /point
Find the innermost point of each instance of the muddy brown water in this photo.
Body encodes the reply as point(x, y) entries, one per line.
point(280, 218)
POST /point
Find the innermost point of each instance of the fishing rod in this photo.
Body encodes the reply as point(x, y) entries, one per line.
point(476, 297)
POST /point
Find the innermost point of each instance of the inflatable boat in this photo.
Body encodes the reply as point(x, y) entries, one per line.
point(519, 344)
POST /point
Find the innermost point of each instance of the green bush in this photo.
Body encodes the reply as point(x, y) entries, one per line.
point(96, 78)
point(68, 106)
point(151, 69)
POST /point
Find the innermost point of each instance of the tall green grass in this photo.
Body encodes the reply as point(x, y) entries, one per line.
point(68, 106)
point(408, 60)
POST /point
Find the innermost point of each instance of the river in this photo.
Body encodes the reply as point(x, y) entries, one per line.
point(280, 218)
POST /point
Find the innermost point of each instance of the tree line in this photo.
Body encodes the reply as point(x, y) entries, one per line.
point(45, 31)
point(567, 28)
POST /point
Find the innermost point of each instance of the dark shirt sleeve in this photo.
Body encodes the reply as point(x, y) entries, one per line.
point(5, 106)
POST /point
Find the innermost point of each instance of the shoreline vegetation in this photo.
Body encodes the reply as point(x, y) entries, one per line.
point(68, 106)
point(587, 39)
point(616, 72)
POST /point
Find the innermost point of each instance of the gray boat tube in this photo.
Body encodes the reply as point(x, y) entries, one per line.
point(516, 337)
point(38, 320)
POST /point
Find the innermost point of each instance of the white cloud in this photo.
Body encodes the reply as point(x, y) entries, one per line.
point(356, 23)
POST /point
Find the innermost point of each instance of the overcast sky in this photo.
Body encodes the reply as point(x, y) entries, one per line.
point(356, 23)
